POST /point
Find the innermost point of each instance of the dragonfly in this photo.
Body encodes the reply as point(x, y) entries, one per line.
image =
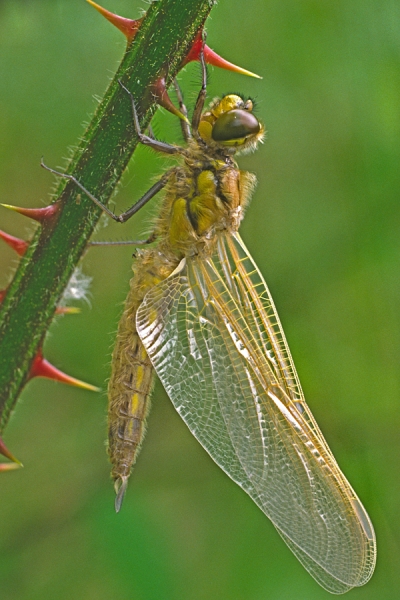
point(199, 314)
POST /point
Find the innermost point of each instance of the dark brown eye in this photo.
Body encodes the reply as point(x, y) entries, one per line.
point(235, 124)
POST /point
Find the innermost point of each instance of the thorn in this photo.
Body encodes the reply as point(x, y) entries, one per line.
point(38, 214)
point(120, 486)
point(67, 310)
point(159, 90)
point(60, 310)
point(15, 243)
point(212, 58)
point(9, 466)
point(42, 368)
point(5, 452)
point(129, 27)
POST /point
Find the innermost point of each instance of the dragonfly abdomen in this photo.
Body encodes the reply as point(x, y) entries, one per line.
point(129, 397)
point(128, 408)
point(132, 375)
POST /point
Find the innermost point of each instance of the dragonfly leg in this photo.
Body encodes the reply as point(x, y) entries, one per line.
point(151, 133)
point(201, 98)
point(187, 134)
point(158, 186)
point(145, 139)
point(152, 237)
point(82, 187)
point(122, 218)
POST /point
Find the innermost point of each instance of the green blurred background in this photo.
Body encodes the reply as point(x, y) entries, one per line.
point(323, 227)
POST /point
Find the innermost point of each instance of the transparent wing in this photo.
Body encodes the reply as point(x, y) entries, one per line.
point(213, 335)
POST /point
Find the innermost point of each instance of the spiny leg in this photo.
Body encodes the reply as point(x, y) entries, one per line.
point(145, 139)
point(201, 98)
point(157, 187)
point(151, 133)
point(152, 237)
point(122, 218)
point(187, 134)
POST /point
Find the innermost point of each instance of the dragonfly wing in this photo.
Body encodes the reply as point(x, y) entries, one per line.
point(173, 334)
point(213, 335)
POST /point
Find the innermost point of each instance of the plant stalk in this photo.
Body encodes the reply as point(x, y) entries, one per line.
point(159, 48)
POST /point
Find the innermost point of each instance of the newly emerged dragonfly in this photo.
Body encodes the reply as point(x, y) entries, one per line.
point(200, 315)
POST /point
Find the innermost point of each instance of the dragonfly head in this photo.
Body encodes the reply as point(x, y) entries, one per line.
point(230, 124)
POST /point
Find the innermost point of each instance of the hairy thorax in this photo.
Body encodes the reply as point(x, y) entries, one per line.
point(203, 198)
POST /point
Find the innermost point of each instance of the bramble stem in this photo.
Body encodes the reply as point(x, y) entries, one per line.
point(161, 44)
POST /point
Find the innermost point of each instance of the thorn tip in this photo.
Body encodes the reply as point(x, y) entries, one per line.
point(41, 215)
point(212, 58)
point(68, 310)
point(159, 90)
point(42, 368)
point(128, 27)
point(6, 452)
point(10, 466)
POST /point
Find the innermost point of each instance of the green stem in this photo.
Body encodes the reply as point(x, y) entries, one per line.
point(159, 48)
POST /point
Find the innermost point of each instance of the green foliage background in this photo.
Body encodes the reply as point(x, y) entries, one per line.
point(323, 227)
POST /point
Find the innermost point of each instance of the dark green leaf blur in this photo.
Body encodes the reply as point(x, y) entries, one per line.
point(324, 227)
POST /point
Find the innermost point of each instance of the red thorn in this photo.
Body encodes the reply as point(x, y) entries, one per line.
point(42, 368)
point(60, 310)
point(129, 27)
point(212, 58)
point(159, 91)
point(9, 466)
point(5, 452)
point(38, 214)
point(15, 243)
point(67, 310)
point(195, 50)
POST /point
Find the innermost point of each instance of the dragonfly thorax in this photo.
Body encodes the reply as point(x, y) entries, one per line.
point(200, 203)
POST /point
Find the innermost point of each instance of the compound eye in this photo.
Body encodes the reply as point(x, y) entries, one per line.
point(237, 124)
